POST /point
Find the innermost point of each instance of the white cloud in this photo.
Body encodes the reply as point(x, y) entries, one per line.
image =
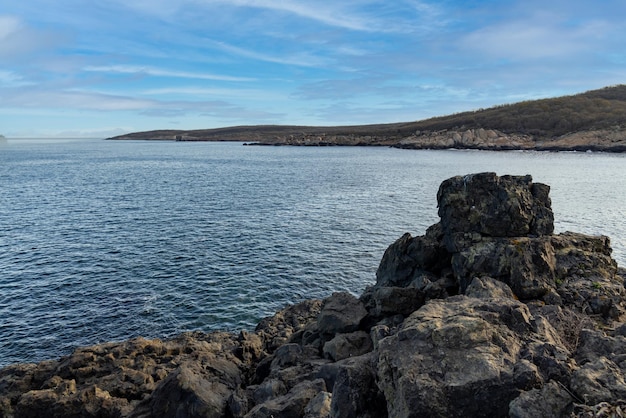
point(523, 40)
point(157, 72)
point(327, 12)
point(17, 39)
point(8, 26)
point(11, 79)
point(302, 59)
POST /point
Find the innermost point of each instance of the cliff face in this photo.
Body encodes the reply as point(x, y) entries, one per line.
point(487, 314)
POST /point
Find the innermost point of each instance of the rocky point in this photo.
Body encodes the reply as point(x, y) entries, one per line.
point(488, 314)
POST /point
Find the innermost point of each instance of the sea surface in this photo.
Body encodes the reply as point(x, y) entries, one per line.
point(104, 241)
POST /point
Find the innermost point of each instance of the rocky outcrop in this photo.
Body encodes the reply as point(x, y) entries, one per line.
point(488, 314)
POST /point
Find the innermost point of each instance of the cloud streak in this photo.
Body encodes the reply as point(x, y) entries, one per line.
point(158, 72)
point(206, 63)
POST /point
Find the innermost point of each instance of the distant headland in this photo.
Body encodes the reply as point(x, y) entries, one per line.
point(590, 121)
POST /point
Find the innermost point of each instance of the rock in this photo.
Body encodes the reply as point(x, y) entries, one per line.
point(192, 392)
point(527, 265)
point(292, 404)
point(507, 206)
point(405, 259)
point(452, 357)
point(598, 381)
point(487, 314)
point(396, 300)
point(551, 401)
point(278, 329)
point(348, 345)
point(341, 312)
point(488, 288)
point(355, 393)
point(319, 406)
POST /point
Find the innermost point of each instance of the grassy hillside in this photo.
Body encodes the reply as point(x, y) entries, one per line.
point(541, 120)
point(547, 118)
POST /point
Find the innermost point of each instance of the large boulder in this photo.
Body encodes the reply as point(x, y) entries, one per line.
point(483, 203)
point(464, 357)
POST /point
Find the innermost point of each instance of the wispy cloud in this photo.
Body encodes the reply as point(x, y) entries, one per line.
point(11, 79)
point(328, 13)
point(158, 72)
point(524, 40)
point(18, 39)
point(302, 59)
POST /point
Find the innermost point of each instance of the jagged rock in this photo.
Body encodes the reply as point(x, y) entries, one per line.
point(488, 288)
point(290, 405)
point(396, 300)
point(192, 392)
point(355, 393)
point(278, 329)
point(319, 406)
point(487, 314)
point(507, 206)
point(550, 401)
point(598, 381)
point(347, 345)
point(341, 312)
point(408, 258)
point(453, 357)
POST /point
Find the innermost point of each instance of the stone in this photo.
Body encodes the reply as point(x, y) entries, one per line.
point(408, 257)
point(341, 312)
point(452, 357)
point(507, 206)
point(292, 404)
point(396, 300)
point(487, 314)
point(598, 381)
point(319, 406)
point(192, 392)
point(550, 401)
point(348, 345)
point(279, 328)
point(355, 393)
point(488, 288)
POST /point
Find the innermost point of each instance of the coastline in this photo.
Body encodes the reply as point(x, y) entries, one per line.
point(613, 141)
point(489, 282)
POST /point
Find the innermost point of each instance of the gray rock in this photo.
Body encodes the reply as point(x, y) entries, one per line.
point(319, 406)
point(598, 381)
point(341, 312)
point(290, 405)
point(191, 392)
point(408, 257)
point(507, 206)
point(396, 300)
point(348, 345)
point(355, 393)
point(488, 288)
point(551, 401)
point(452, 357)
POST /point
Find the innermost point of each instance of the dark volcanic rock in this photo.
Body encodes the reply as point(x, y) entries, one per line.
point(486, 315)
point(507, 206)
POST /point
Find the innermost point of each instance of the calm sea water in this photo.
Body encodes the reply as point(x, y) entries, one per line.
point(103, 241)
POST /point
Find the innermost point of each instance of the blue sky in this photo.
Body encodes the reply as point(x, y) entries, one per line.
point(103, 67)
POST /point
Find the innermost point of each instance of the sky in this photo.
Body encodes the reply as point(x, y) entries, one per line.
point(98, 68)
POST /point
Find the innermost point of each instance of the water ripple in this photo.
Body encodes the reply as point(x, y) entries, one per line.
point(104, 241)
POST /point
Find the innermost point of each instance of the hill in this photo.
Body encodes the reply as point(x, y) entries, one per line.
point(594, 120)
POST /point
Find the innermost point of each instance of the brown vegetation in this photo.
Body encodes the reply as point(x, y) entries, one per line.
point(548, 123)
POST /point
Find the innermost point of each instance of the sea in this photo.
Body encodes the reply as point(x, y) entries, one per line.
point(109, 240)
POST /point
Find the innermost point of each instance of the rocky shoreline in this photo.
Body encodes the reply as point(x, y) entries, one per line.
point(600, 140)
point(488, 314)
